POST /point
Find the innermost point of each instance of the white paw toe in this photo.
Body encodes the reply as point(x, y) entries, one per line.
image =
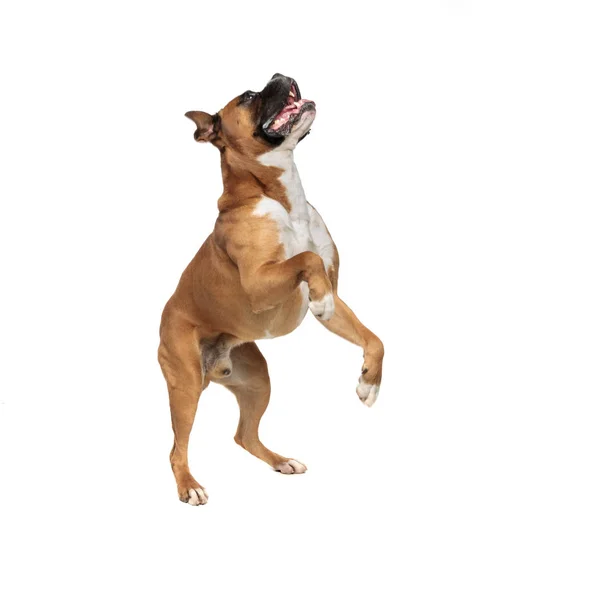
point(291, 467)
point(197, 496)
point(367, 392)
point(323, 309)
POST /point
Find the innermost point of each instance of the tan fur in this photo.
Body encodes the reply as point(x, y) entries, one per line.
point(238, 287)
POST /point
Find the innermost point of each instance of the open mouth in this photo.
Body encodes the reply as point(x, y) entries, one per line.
point(295, 106)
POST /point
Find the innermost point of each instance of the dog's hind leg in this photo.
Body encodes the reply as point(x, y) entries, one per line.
point(250, 383)
point(180, 359)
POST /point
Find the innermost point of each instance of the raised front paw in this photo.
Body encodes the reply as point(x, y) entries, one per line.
point(324, 308)
point(367, 392)
point(370, 378)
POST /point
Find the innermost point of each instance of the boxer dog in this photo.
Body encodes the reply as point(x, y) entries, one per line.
point(268, 261)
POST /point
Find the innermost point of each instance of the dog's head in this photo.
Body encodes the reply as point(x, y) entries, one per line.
point(256, 122)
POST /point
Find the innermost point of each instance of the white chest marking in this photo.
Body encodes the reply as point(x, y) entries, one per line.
point(302, 228)
point(294, 230)
point(321, 240)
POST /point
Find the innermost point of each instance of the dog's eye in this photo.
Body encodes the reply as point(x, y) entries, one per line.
point(247, 97)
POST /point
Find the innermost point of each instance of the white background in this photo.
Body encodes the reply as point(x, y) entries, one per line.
point(455, 160)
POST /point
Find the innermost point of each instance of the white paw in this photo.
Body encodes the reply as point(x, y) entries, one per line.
point(367, 392)
point(197, 496)
point(323, 309)
point(291, 467)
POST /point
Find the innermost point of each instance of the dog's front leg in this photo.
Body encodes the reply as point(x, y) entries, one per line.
point(270, 284)
point(347, 325)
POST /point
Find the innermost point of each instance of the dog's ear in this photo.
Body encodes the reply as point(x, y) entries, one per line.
point(207, 125)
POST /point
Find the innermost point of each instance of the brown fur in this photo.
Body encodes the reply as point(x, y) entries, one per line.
point(238, 286)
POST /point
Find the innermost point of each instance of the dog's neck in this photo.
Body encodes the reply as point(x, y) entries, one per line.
point(273, 175)
point(289, 178)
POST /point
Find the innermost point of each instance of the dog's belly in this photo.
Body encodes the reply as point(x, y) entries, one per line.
point(287, 316)
point(219, 304)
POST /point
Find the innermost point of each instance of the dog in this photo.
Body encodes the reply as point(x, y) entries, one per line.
point(268, 261)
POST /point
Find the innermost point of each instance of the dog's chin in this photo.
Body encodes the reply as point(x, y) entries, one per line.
point(290, 128)
point(302, 126)
point(290, 116)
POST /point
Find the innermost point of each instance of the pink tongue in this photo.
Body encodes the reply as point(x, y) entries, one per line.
point(289, 109)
